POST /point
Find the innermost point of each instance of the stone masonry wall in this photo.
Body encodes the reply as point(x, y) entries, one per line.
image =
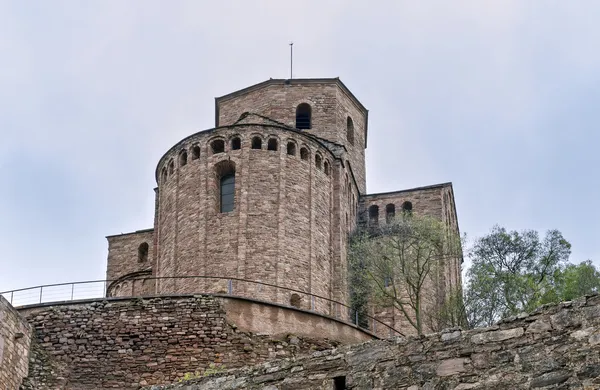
point(555, 347)
point(280, 230)
point(331, 106)
point(123, 256)
point(127, 343)
point(15, 338)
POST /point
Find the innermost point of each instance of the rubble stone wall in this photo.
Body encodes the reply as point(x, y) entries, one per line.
point(15, 338)
point(555, 347)
point(127, 343)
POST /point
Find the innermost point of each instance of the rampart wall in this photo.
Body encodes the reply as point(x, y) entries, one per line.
point(127, 343)
point(555, 347)
point(15, 338)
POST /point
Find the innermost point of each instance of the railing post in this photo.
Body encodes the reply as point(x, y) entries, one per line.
point(41, 290)
point(11, 297)
point(72, 290)
point(229, 287)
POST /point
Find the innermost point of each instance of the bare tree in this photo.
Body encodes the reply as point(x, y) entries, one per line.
point(398, 265)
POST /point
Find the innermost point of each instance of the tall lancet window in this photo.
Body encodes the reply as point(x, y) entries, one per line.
point(227, 192)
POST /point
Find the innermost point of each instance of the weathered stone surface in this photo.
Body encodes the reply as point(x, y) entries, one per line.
point(497, 358)
point(498, 335)
point(15, 338)
point(129, 343)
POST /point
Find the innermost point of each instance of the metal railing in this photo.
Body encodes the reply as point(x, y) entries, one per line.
point(172, 285)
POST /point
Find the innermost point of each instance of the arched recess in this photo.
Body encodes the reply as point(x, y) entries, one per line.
point(303, 116)
point(350, 131)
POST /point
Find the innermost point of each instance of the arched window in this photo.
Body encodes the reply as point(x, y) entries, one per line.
point(171, 167)
point(217, 146)
point(318, 161)
point(143, 252)
point(407, 207)
point(390, 213)
point(272, 144)
point(350, 131)
point(373, 215)
point(304, 153)
point(291, 148)
point(236, 143)
point(182, 158)
point(227, 192)
point(326, 167)
point(195, 152)
point(163, 175)
point(303, 116)
point(256, 143)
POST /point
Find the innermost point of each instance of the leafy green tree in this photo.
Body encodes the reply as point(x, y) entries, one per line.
point(575, 281)
point(512, 272)
point(396, 265)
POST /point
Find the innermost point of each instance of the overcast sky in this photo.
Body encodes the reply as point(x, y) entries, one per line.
point(499, 97)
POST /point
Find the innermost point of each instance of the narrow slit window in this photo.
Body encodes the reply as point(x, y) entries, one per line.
point(291, 148)
point(171, 167)
point(326, 167)
point(350, 131)
point(227, 192)
point(318, 161)
point(163, 175)
point(256, 143)
point(303, 116)
point(236, 143)
point(272, 144)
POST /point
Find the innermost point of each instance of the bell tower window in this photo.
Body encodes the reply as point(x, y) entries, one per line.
point(303, 116)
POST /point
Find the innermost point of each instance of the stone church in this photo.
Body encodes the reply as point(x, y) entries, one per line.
point(262, 204)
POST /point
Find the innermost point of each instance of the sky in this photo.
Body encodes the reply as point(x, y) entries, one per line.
point(498, 97)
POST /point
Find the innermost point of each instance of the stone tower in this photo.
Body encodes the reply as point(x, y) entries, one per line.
point(268, 195)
